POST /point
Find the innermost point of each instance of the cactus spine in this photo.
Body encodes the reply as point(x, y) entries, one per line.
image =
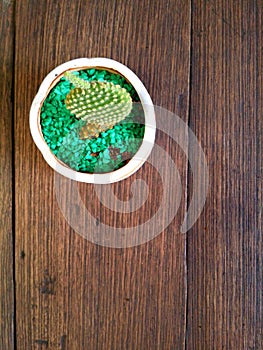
point(100, 104)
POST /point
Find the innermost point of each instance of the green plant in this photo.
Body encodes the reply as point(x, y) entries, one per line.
point(100, 104)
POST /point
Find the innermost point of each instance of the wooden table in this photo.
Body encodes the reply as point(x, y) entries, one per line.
point(200, 59)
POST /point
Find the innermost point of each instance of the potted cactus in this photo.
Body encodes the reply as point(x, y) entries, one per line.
point(93, 120)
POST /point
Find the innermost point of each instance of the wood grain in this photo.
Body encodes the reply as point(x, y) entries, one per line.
point(200, 291)
point(72, 294)
point(225, 246)
point(6, 172)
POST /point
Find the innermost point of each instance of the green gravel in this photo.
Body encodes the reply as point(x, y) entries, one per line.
point(111, 150)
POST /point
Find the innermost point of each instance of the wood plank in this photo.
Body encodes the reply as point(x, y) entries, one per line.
point(225, 247)
point(72, 294)
point(6, 195)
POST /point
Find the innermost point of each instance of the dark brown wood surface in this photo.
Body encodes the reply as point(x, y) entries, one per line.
point(71, 291)
point(201, 290)
point(6, 168)
point(224, 249)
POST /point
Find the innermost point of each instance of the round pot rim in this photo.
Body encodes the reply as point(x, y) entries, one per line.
point(150, 124)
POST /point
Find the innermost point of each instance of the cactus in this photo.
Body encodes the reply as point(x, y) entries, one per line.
point(100, 104)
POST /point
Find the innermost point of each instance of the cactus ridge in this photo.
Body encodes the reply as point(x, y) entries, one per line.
point(91, 130)
point(101, 104)
point(99, 108)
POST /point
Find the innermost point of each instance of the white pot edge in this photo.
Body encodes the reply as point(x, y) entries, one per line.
point(150, 124)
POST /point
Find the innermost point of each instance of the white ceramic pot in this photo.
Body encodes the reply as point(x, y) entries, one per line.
point(150, 125)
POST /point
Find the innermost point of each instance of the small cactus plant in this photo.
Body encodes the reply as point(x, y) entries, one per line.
point(100, 104)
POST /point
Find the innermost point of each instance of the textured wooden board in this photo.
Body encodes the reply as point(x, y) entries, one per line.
point(225, 247)
point(6, 170)
point(72, 294)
